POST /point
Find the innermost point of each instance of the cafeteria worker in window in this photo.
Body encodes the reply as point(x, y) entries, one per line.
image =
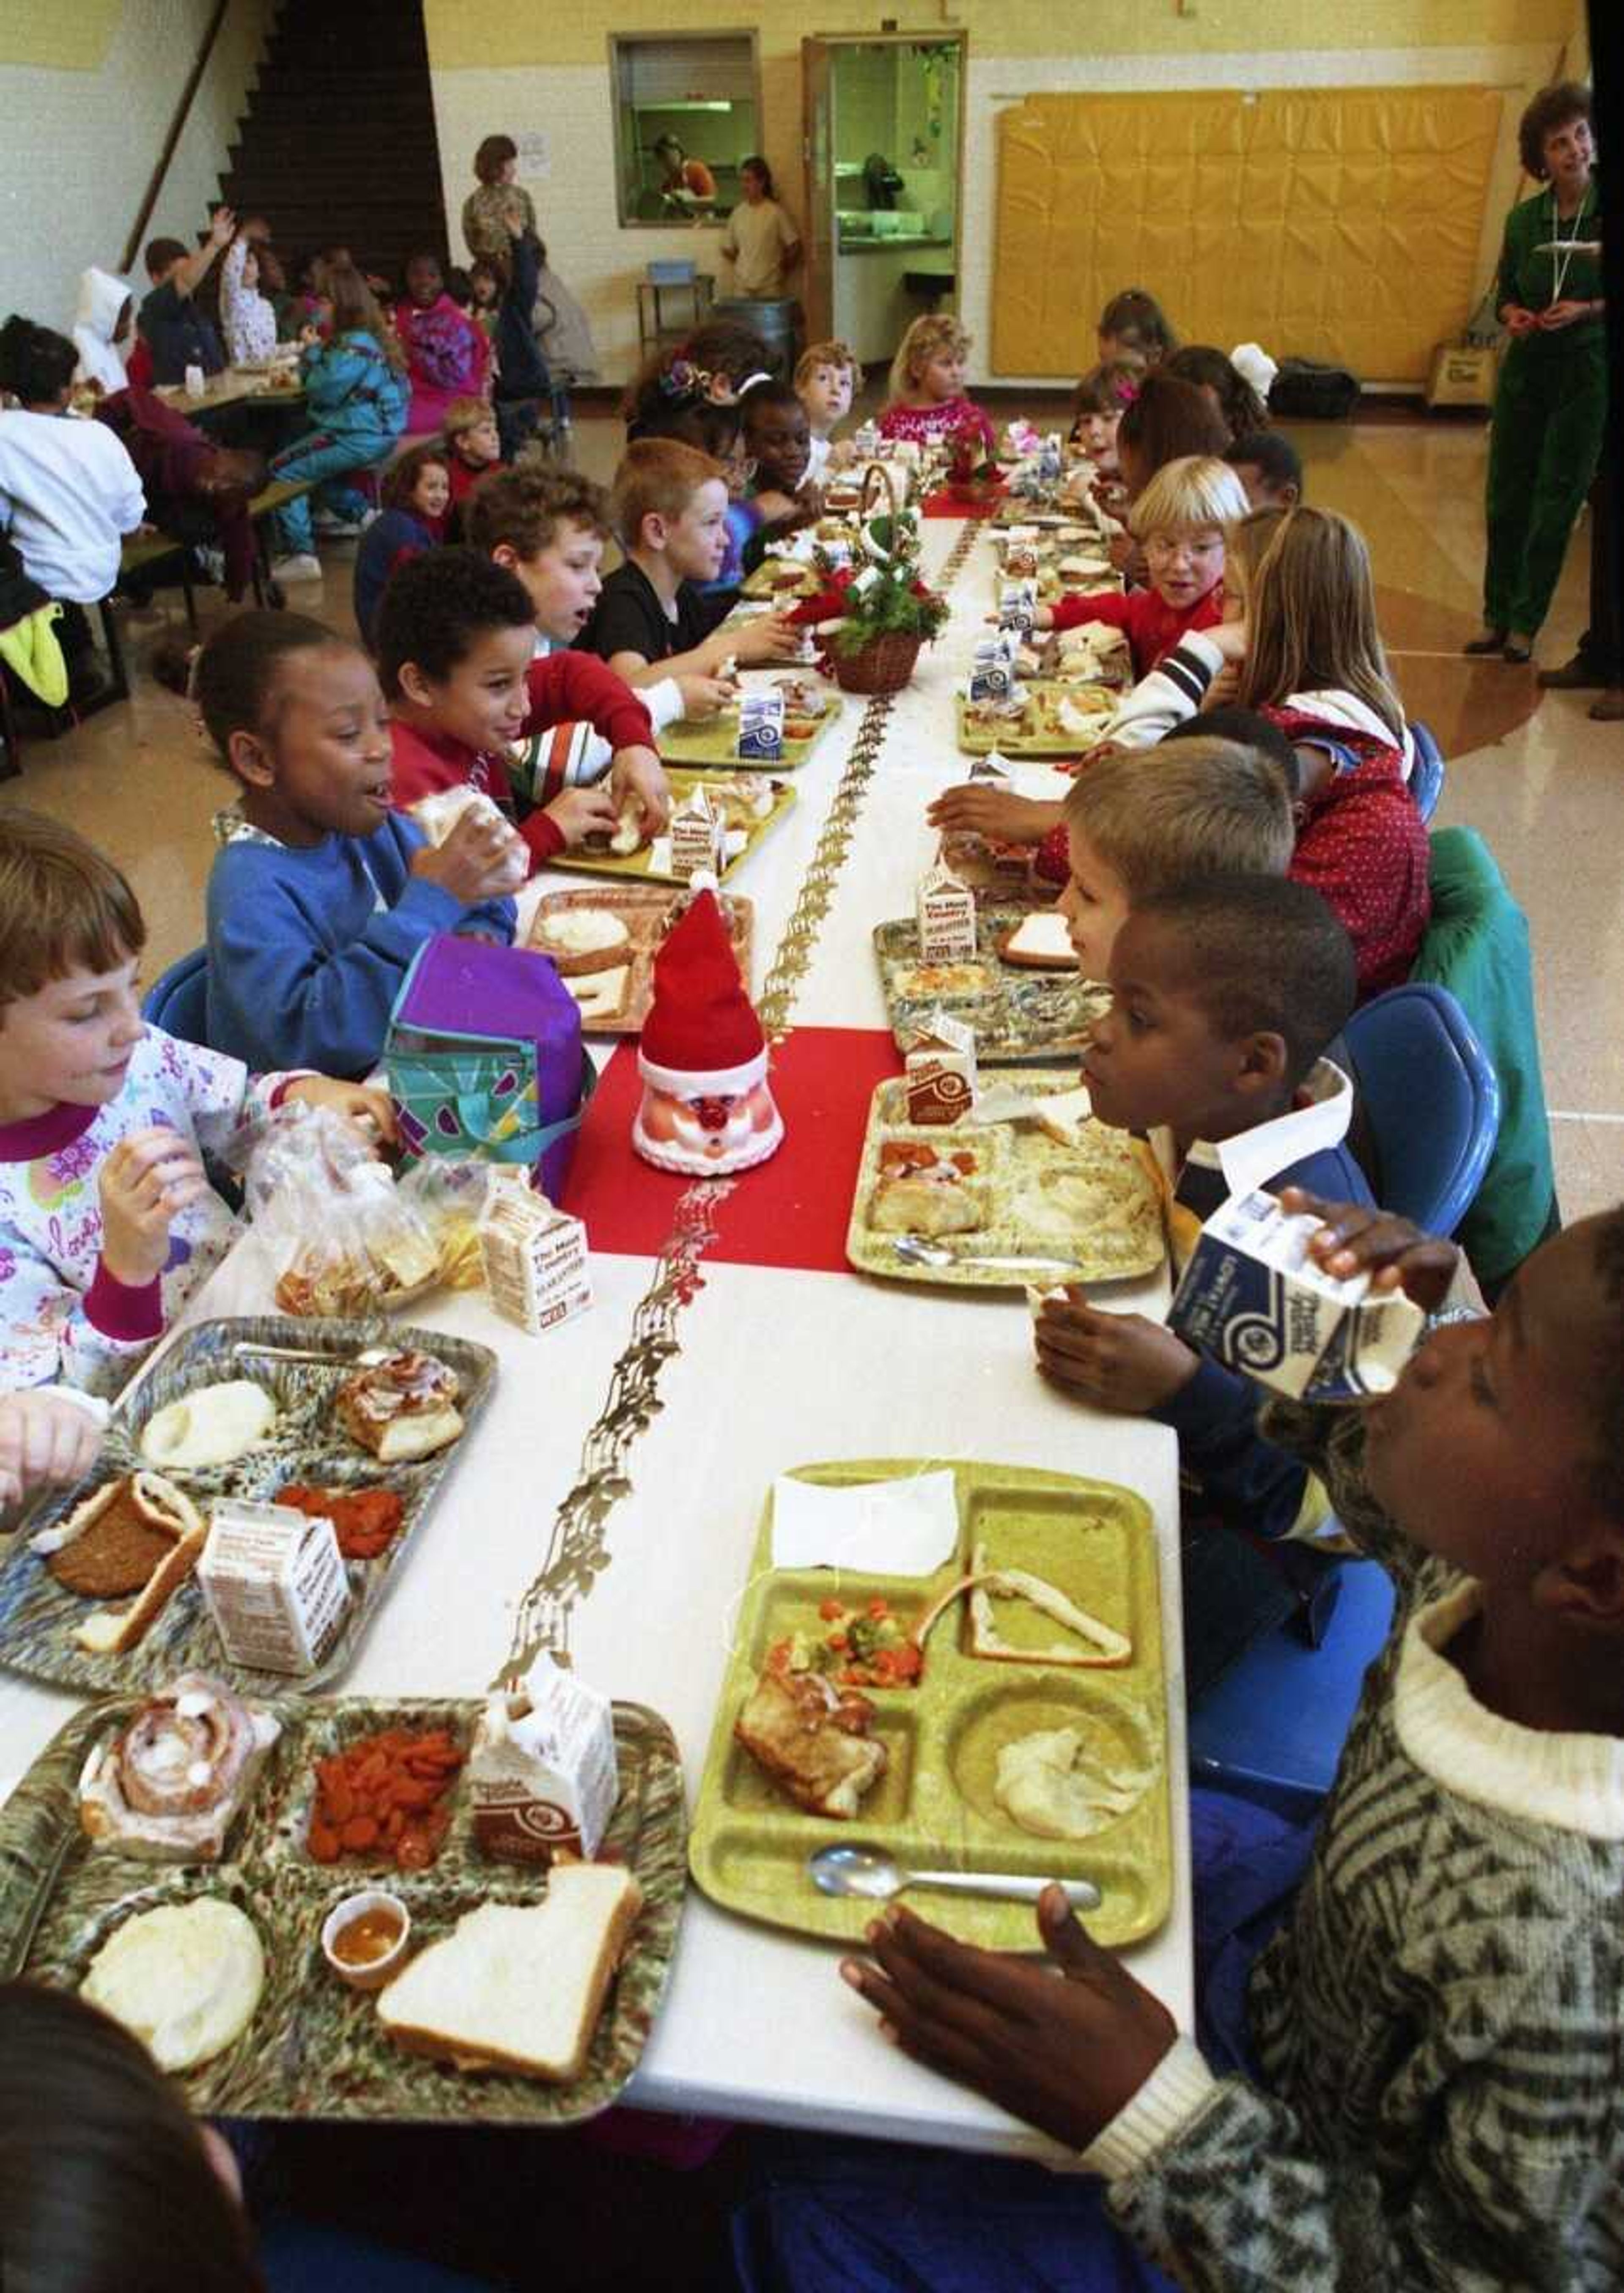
point(1551, 403)
point(685, 178)
point(760, 240)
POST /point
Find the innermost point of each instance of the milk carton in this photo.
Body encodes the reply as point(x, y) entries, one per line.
point(1018, 606)
point(541, 1778)
point(1252, 1297)
point(992, 668)
point(696, 836)
point(947, 917)
point(274, 1584)
point(940, 1069)
point(535, 1259)
point(761, 727)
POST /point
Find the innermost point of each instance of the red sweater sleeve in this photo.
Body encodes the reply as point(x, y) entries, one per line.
point(1072, 612)
point(544, 836)
point(1053, 861)
point(564, 686)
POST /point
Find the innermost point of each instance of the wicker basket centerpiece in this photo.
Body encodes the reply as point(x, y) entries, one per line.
point(887, 611)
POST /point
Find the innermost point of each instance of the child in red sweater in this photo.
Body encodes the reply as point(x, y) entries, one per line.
point(472, 447)
point(456, 637)
point(1180, 520)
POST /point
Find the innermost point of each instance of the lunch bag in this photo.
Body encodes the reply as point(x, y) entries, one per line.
point(1308, 390)
point(484, 1057)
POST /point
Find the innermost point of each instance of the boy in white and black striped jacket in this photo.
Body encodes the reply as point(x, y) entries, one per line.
point(1437, 2025)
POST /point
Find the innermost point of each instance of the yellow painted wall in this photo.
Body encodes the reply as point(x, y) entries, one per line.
point(515, 66)
point(466, 35)
point(74, 38)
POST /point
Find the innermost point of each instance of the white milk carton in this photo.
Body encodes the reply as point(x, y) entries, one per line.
point(541, 1778)
point(945, 910)
point(761, 727)
point(535, 1259)
point(274, 1583)
point(1253, 1298)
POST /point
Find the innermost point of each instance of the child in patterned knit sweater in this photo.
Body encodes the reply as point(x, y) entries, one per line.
point(927, 401)
point(107, 1221)
point(1410, 2025)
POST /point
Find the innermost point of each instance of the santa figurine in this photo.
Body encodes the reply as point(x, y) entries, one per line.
point(707, 1107)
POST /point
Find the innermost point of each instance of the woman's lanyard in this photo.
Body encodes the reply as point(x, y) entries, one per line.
point(1559, 263)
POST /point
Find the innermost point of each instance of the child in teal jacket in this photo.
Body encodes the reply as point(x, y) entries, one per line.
point(357, 392)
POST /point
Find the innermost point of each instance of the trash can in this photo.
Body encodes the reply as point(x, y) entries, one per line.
point(777, 322)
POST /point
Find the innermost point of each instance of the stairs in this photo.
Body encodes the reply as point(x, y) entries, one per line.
point(338, 143)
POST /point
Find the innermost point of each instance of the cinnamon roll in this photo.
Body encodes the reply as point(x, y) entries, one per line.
point(170, 1784)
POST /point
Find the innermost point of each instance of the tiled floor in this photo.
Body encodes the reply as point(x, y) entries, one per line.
point(1542, 783)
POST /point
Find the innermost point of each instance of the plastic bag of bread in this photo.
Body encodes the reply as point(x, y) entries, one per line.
point(449, 1193)
point(339, 1236)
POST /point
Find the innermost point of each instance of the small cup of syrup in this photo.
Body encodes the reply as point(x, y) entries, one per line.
point(364, 1937)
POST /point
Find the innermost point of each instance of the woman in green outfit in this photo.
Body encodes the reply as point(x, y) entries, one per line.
point(1551, 405)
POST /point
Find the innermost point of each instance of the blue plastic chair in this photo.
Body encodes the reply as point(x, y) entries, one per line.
point(1272, 1728)
point(1430, 1102)
point(178, 1001)
point(1427, 774)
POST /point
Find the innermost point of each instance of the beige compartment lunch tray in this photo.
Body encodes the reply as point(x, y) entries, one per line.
point(1016, 1012)
point(38, 1616)
point(934, 1809)
point(1039, 731)
point(637, 868)
point(1096, 1207)
point(714, 741)
point(646, 910)
point(314, 2048)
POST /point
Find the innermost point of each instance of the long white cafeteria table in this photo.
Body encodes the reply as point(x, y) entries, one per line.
point(774, 1368)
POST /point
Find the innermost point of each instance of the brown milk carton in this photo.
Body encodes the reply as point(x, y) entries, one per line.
point(274, 1584)
point(696, 837)
point(541, 1778)
point(940, 1069)
point(947, 917)
point(535, 1259)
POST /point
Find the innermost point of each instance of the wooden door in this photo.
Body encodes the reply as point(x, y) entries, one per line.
point(818, 156)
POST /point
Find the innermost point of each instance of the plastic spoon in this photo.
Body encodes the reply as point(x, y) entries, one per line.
point(915, 1250)
point(876, 1876)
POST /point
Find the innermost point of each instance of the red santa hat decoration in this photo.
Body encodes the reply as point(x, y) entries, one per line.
point(707, 1107)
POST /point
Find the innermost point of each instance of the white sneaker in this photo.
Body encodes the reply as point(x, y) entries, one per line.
point(371, 518)
point(336, 529)
point(300, 567)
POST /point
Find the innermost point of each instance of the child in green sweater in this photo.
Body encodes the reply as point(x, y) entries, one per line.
point(1424, 2089)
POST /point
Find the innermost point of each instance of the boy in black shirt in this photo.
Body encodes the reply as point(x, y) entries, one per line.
point(669, 507)
point(176, 331)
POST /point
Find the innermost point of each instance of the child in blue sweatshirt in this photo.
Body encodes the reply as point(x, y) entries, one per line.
point(321, 895)
point(1226, 992)
point(356, 393)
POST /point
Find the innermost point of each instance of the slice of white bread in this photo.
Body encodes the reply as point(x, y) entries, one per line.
point(1042, 937)
point(519, 1988)
point(1061, 1117)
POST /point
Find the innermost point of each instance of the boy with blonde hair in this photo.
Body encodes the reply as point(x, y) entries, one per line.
point(825, 383)
point(1180, 518)
point(1135, 826)
point(669, 507)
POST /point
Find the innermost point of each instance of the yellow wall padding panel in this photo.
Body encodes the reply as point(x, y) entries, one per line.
point(1325, 222)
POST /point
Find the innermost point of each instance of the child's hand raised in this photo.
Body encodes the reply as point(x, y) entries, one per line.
point(146, 1182)
point(974, 809)
point(482, 859)
point(371, 1111)
point(636, 775)
point(772, 637)
point(1116, 1361)
point(1065, 2056)
point(1355, 1239)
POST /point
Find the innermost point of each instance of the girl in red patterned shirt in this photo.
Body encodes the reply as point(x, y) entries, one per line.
point(927, 401)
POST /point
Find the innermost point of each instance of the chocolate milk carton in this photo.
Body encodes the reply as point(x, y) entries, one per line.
point(945, 910)
point(940, 1069)
point(696, 837)
point(541, 1778)
point(273, 1581)
point(1252, 1297)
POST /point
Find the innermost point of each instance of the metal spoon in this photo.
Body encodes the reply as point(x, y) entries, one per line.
point(875, 1876)
point(915, 1249)
point(369, 1357)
